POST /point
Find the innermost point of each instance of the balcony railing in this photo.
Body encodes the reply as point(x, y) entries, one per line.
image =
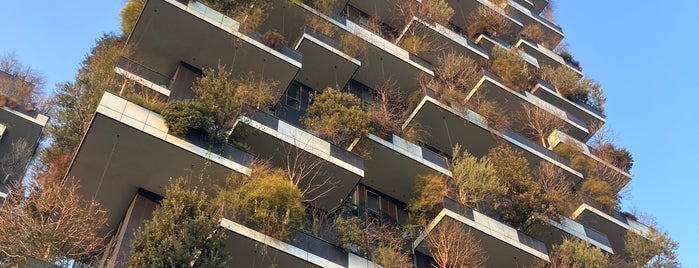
point(617, 215)
point(143, 72)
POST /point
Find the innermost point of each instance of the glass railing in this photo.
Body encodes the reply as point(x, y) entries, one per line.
point(494, 225)
point(143, 72)
point(318, 247)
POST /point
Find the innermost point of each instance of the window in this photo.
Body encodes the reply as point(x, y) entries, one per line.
point(372, 202)
point(293, 96)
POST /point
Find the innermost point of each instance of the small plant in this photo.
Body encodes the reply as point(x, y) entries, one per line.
point(414, 44)
point(147, 98)
point(486, 20)
point(338, 116)
point(569, 58)
point(353, 45)
point(349, 234)
point(511, 67)
point(274, 39)
point(320, 25)
point(571, 87)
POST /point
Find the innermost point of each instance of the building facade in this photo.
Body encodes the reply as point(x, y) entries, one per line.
point(128, 155)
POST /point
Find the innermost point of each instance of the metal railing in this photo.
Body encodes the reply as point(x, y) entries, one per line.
point(143, 72)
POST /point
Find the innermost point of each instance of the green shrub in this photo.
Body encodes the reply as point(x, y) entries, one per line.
point(129, 14)
point(475, 180)
point(349, 234)
point(414, 44)
point(435, 11)
point(601, 192)
point(181, 116)
point(338, 116)
point(428, 197)
point(353, 45)
point(573, 252)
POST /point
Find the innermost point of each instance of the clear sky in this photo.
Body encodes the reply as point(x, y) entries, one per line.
point(644, 53)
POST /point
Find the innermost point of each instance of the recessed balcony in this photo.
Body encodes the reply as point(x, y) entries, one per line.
point(450, 126)
point(387, 10)
point(17, 125)
point(169, 32)
point(412, 159)
point(128, 147)
point(504, 245)
point(324, 63)
point(283, 143)
point(584, 112)
point(442, 40)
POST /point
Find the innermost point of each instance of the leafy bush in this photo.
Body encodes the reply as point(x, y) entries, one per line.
point(573, 252)
point(475, 180)
point(570, 86)
point(338, 116)
point(486, 20)
point(182, 232)
point(274, 39)
point(656, 249)
point(181, 116)
point(250, 13)
point(428, 197)
point(129, 14)
point(600, 191)
point(511, 67)
point(353, 45)
point(414, 44)
point(619, 157)
point(535, 33)
point(349, 234)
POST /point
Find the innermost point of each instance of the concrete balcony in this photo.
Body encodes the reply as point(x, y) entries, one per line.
point(387, 10)
point(544, 55)
point(463, 9)
point(412, 159)
point(557, 230)
point(450, 126)
point(536, 6)
point(557, 138)
point(513, 102)
point(18, 125)
point(552, 31)
point(442, 40)
point(504, 245)
point(128, 147)
point(489, 42)
point(608, 221)
point(169, 33)
point(584, 112)
point(282, 143)
point(324, 63)
point(143, 75)
point(302, 250)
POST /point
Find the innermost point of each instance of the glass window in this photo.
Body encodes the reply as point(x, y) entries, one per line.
point(293, 96)
point(372, 202)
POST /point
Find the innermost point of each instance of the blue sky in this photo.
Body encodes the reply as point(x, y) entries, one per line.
point(642, 52)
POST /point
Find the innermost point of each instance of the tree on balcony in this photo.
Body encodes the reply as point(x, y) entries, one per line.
point(250, 13)
point(485, 20)
point(452, 245)
point(539, 123)
point(50, 222)
point(182, 233)
point(129, 15)
point(14, 162)
point(576, 253)
point(509, 65)
point(524, 204)
point(655, 250)
point(19, 82)
point(570, 86)
point(428, 197)
point(337, 116)
point(454, 76)
point(388, 111)
point(475, 180)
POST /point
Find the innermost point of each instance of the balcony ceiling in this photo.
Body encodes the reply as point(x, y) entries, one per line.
point(323, 65)
point(390, 171)
point(114, 160)
point(166, 35)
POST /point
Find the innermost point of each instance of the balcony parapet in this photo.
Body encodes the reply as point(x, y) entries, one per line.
point(143, 75)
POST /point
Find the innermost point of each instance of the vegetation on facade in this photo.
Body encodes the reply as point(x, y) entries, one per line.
point(655, 250)
point(485, 20)
point(452, 245)
point(571, 86)
point(129, 15)
point(509, 65)
point(337, 116)
point(20, 85)
point(50, 222)
point(182, 233)
point(573, 252)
